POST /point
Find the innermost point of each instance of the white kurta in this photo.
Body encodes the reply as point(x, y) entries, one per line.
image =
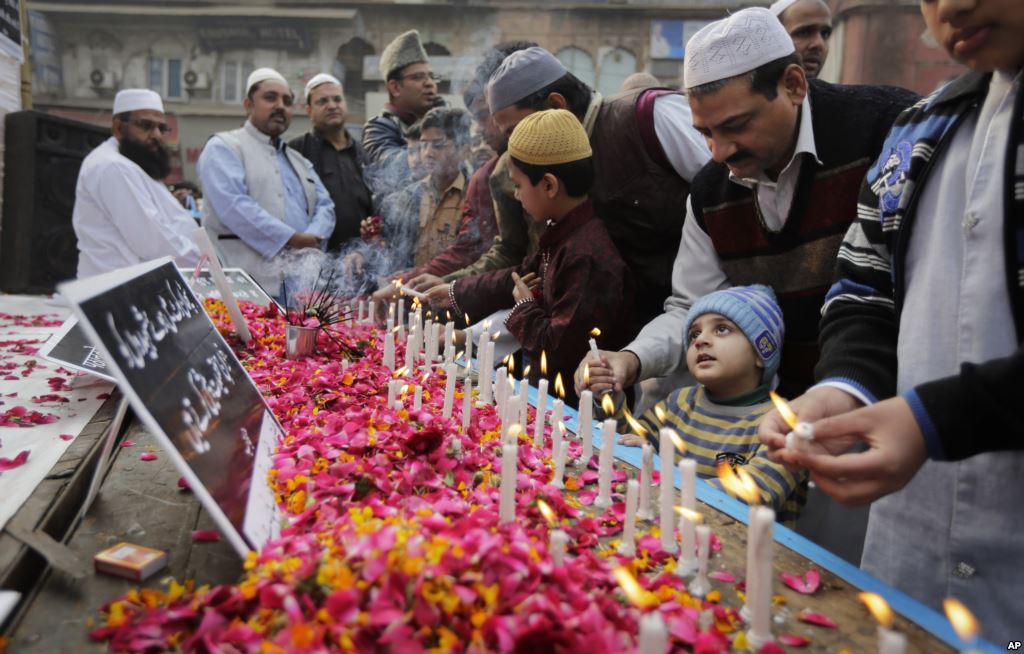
point(123, 216)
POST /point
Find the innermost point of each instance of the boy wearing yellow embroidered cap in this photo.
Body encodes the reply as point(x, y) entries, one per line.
point(576, 281)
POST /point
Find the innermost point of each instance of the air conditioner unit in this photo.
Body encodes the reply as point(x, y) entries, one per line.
point(195, 81)
point(102, 79)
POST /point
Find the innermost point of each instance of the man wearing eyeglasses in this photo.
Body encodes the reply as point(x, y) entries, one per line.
point(337, 157)
point(123, 214)
point(262, 197)
point(412, 92)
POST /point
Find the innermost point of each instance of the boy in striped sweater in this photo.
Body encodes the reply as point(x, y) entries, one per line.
point(733, 348)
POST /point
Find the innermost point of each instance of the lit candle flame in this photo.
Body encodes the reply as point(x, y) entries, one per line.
point(458, 355)
point(693, 516)
point(964, 623)
point(511, 364)
point(448, 314)
point(405, 390)
point(395, 329)
point(514, 431)
point(595, 332)
point(425, 377)
point(547, 512)
point(526, 372)
point(636, 595)
point(400, 372)
point(878, 607)
point(739, 483)
point(559, 386)
point(634, 424)
point(544, 363)
point(495, 336)
point(784, 410)
point(586, 374)
point(608, 404)
point(677, 440)
point(466, 316)
point(561, 426)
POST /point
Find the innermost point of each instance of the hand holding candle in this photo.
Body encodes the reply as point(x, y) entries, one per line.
point(802, 432)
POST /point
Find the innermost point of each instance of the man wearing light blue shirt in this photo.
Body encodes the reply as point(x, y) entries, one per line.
point(262, 196)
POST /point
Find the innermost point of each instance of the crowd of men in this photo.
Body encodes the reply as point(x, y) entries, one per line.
point(890, 228)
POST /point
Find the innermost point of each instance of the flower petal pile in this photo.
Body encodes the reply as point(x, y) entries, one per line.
point(394, 543)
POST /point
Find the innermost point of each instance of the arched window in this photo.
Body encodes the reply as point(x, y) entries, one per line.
point(578, 62)
point(616, 65)
point(349, 69)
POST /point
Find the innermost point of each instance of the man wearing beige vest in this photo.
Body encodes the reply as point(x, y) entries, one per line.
point(262, 196)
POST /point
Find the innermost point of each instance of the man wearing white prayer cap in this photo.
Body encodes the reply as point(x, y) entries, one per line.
point(337, 157)
point(262, 197)
point(123, 212)
point(772, 206)
point(809, 23)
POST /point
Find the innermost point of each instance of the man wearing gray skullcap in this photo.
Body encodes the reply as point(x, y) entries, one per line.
point(337, 157)
point(412, 92)
point(645, 153)
point(262, 197)
point(809, 23)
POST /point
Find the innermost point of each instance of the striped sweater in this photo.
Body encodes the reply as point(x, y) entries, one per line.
point(860, 319)
point(717, 432)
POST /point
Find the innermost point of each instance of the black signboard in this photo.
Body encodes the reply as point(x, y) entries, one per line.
point(242, 285)
point(187, 386)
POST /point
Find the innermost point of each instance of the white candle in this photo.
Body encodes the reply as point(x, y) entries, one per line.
point(500, 390)
point(557, 408)
point(586, 428)
point(417, 397)
point(800, 436)
point(481, 348)
point(757, 610)
point(542, 409)
point(449, 390)
point(687, 563)
point(556, 438)
point(372, 315)
point(604, 473)
point(509, 462)
point(486, 371)
point(391, 317)
point(449, 353)
point(389, 350)
point(392, 392)
point(653, 635)
point(401, 311)
point(628, 545)
point(359, 311)
point(559, 542)
point(435, 337)
point(666, 451)
point(467, 402)
point(594, 352)
point(508, 417)
point(700, 586)
point(524, 403)
point(449, 333)
point(561, 455)
point(893, 642)
point(428, 340)
point(469, 346)
point(410, 349)
point(646, 470)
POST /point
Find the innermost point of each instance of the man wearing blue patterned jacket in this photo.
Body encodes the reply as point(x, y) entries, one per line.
point(929, 307)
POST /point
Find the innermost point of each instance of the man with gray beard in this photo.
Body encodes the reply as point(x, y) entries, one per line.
point(123, 214)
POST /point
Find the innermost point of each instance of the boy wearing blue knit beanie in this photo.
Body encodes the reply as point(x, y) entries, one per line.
point(734, 339)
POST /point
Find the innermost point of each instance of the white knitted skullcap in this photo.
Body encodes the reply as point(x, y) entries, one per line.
point(137, 99)
point(317, 80)
point(735, 45)
point(264, 75)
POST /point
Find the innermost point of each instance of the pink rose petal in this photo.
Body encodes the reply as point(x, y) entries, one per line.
point(806, 584)
point(819, 619)
point(148, 456)
point(128, 443)
point(16, 462)
point(206, 535)
point(722, 575)
point(67, 437)
point(792, 640)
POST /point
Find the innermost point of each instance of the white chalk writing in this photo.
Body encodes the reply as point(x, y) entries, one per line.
point(138, 343)
point(202, 402)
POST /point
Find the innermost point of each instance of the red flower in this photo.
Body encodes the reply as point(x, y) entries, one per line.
point(425, 441)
